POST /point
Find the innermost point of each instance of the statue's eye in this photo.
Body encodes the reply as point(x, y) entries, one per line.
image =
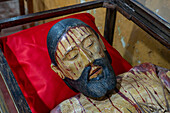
point(71, 55)
point(88, 43)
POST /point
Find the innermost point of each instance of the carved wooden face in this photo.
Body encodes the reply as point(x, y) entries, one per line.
point(80, 58)
point(78, 48)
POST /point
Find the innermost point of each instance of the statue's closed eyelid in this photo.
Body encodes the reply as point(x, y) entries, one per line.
point(72, 54)
point(73, 57)
point(88, 42)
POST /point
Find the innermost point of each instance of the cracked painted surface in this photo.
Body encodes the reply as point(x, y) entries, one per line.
point(139, 86)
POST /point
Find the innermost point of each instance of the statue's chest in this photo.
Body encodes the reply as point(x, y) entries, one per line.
point(132, 88)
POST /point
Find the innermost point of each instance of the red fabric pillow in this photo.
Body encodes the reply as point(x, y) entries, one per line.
point(27, 55)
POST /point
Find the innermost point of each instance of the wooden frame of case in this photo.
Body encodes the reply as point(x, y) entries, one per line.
point(129, 8)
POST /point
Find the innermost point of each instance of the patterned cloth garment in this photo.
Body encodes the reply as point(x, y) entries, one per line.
point(145, 88)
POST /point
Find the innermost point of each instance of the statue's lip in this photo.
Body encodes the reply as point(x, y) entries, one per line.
point(95, 71)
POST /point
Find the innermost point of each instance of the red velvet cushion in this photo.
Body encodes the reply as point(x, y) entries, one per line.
point(26, 53)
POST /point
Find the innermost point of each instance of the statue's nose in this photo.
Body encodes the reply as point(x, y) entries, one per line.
point(87, 57)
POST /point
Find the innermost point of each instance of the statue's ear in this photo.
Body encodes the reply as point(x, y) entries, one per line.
point(58, 71)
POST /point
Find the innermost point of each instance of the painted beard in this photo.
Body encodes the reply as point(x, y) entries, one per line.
point(95, 87)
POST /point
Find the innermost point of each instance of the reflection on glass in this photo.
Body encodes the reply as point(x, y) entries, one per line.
point(160, 7)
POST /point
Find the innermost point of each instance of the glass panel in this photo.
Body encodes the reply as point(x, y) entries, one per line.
point(160, 8)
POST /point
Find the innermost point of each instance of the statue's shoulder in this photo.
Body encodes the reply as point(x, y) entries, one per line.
point(143, 71)
point(150, 72)
point(143, 75)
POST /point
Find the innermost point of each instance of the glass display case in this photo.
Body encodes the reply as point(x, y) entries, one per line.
point(155, 21)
